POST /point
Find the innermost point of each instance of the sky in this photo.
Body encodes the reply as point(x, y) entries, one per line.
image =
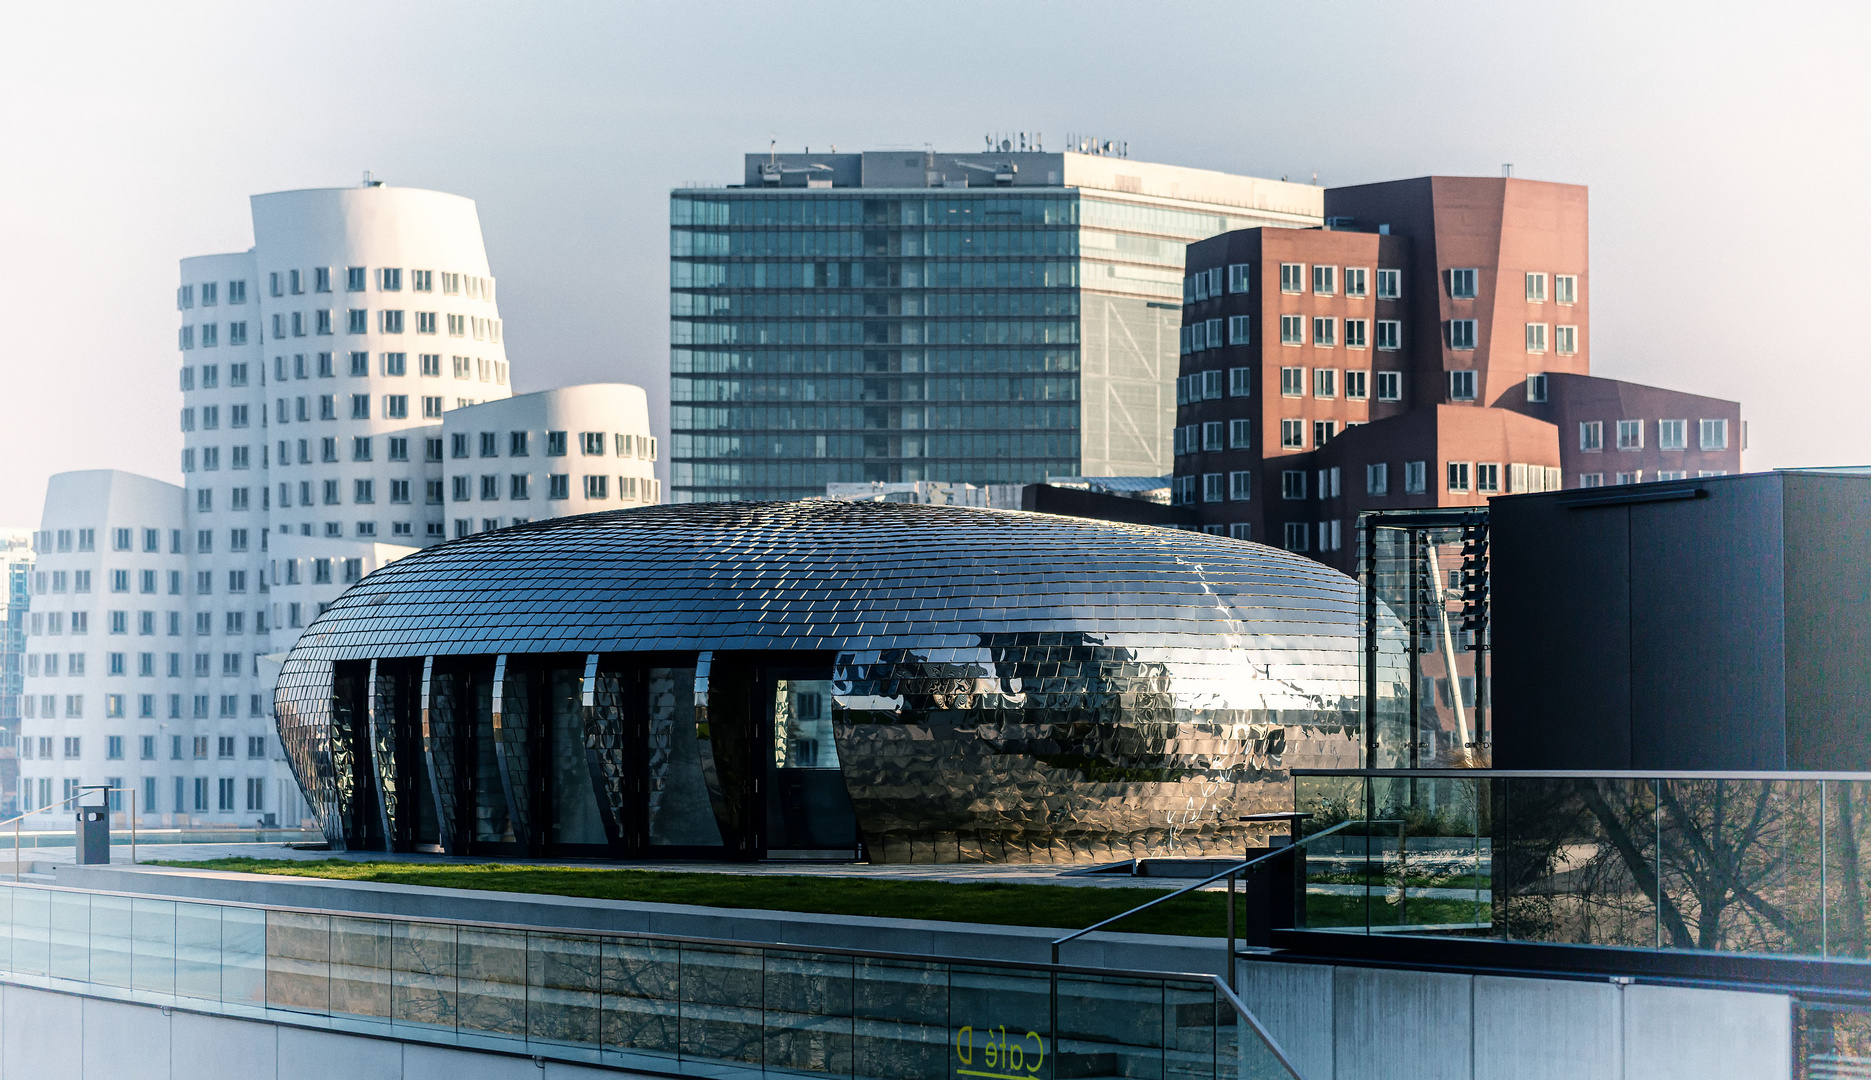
point(1725, 146)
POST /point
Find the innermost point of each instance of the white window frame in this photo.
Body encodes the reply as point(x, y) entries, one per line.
point(1293, 382)
point(1566, 340)
point(1240, 382)
point(1536, 387)
point(1240, 278)
point(1464, 282)
point(1292, 330)
point(1536, 337)
point(1565, 288)
point(1357, 384)
point(1323, 431)
point(1416, 478)
point(1391, 381)
point(1214, 487)
point(1389, 335)
point(1463, 333)
point(1241, 485)
point(1681, 431)
point(1536, 287)
point(1329, 339)
point(1357, 333)
point(1630, 434)
point(1240, 434)
point(1292, 433)
point(1238, 328)
point(1463, 385)
point(1293, 485)
point(1297, 536)
point(1591, 436)
point(1704, 427)
point(1293, 278)
point(1325, 382)
point(1212, 435)
point(1327, 276)
point(1487, 478)
point(1363, 276)
point(1591, 479)
point(1389, 283)
point(1464, 471)
point(1377, 478)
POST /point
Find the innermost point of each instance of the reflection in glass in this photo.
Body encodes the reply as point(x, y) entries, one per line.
point(680, 811)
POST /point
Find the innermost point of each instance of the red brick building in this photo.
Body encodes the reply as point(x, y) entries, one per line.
point(1429, 347)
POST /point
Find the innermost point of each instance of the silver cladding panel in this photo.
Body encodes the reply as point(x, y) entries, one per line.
point(1009, 686)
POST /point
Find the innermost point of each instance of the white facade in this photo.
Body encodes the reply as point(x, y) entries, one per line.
point(345, 401)
point(111, 657)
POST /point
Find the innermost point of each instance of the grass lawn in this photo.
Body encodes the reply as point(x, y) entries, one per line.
point(1071, 907)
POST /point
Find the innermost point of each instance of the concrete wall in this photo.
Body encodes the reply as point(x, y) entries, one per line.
point(52, 1036)
point(1347, 1023)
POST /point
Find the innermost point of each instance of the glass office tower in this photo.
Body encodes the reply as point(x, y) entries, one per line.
point(977, 318)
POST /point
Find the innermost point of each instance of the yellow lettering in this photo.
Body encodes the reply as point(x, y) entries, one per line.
point(1039, 1050)
point(988, 1055)
point(966, 1054)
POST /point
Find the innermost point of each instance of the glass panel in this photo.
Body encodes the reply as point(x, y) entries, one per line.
point(1575, 862)
point(1107, 1027)
point(152, 965)
point(802, 724)
point(641, 996)
point(198, 952)
point(360, 967)
point(1847, 831)
point(490, 825)
point(1000, 1025)
point(721, 1015)
point(243, 956)
point(71, 936)
point(491, 965)
point(112, 939)
point(1739, 869)
point(1189, 1034)
point(809, 808)
point(575, 818)
point(1336, 867)
point(563, 981)
point(680, 811)
point(298, 961)
point(423, 985)
point(808, 1013)
point(900, 1027)
point(1252, 1058)
point(32, 934)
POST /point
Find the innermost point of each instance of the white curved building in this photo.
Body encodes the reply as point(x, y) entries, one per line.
point(345, 401)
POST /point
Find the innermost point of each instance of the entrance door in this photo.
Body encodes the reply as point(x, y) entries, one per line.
point(808, 811)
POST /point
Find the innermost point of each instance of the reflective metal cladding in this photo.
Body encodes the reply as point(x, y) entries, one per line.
point(741, 680)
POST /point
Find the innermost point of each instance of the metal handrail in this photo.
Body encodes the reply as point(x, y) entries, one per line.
point(82, 792)
point(1228, 873)
point(1241, 1010)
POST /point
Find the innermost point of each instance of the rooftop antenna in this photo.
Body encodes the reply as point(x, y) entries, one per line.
point(773, 150)
point(370, 180)
point(1507, 169)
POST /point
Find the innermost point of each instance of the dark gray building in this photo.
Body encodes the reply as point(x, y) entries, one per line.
point(1709, 623)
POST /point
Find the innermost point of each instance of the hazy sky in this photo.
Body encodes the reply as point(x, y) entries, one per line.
point(1726, 147)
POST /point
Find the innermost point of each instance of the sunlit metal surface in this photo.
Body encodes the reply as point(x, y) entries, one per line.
point(1005, 686)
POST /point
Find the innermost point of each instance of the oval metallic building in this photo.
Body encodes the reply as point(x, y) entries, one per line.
point(903, 682)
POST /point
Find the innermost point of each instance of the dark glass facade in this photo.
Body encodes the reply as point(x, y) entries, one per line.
point(913, 683)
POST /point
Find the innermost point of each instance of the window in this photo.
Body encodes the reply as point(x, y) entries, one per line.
point(597, 487)
point(1488, 478)
point(1566, 340)
point(1355, 386)
point(1297, 536)
point(1356, 278)
point(591, 443)
point(1415, 477)
point(1324, 332)
point(1389, 284)
point(518, 486)
point(1390, 386)
point(1292, 277)
point(1536, 388)
point(1377, 479)
point(1566, 288)
point(1211, 390)
point(1238, 434)
point(1357, 333)
point(1462, 284)
point(389, 322)
point(1211, 435)
point(1237, 330)
point(360, 406)
point(1461, 386)
point(1240, 382)
point(1672, 434)
point(1636, 477)
point(1714, 435)
point(1292, 330)
point(1293, 484)
point(1630, 434)
point(1213, 487)
point(1458, 476)
point(1591, 435)
point(396, 406)
point(1241, 530)
point(558, 486)
point(1591, 480)
point(357, 321)
point(1461, 333)
point(1293, 381)
point(1536, 337)
point(1322, 432)
point(1240, 486)
point(1292, 434)
point(1324, 280)
point(1536, 288)
point(490, 488)
point(1325, 382)
point(431, 408)
point(1240, 278)
point(425, 322)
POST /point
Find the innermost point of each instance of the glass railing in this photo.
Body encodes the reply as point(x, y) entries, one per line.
point(667, 1005)
point(1757, 863)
